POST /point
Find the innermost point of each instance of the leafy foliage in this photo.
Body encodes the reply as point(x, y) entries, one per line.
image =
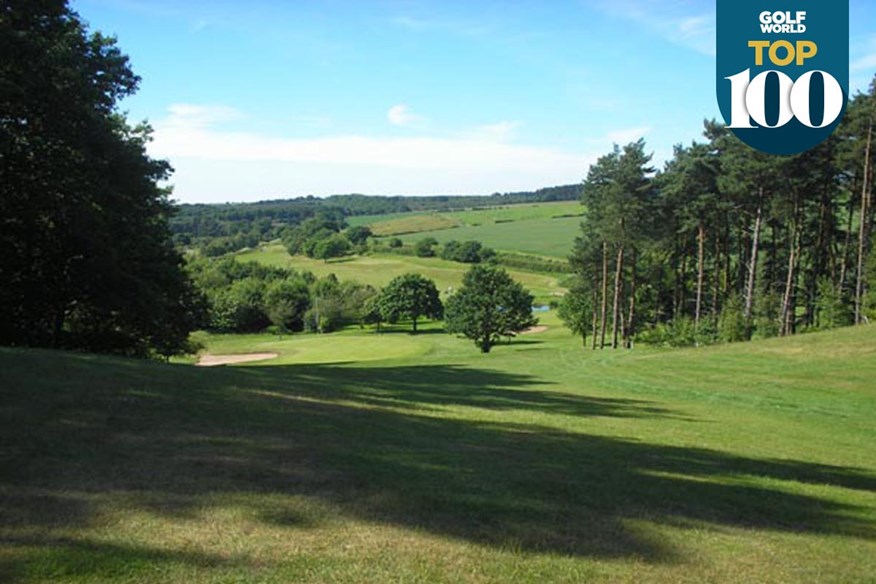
point(410, 296)
point(425, 248)
point(88, 260)
point(334, 246)
point(246, 297)
point(466, 252)
point(488, 306)
point(576, 309)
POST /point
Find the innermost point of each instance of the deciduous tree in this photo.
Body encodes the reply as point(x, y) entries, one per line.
point(88, 260)
point(410, 296)
point(488, 306)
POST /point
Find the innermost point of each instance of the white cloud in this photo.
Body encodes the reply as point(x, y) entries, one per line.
point(863, 56)
point(499, 132)
point(627, 135)
point(867, 62)
point(215, 164)
point(401, 115)
point(682, 22)
point(198, 116)
point(862, 66)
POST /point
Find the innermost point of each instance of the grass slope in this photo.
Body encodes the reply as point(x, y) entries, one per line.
point(379, 269)
point(538, 462)
point(546, 229)
point(545, 237)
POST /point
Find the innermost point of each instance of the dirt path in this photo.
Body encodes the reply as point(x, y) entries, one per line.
point(214, 360)
point(534, 330)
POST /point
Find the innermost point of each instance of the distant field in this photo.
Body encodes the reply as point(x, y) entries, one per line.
point(546, 237)
point(378, 270)
point(413, 224)
point(369, 458)
point(405, 223)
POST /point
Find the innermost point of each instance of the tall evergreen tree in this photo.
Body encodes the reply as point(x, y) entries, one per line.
point(617, 194)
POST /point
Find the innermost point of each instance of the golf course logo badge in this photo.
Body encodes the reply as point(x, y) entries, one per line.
point(782, 71)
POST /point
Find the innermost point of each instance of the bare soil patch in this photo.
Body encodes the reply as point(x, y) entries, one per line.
point(214, 360)
point(534, 330)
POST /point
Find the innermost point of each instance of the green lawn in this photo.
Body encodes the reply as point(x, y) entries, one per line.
point(421, 460)
point(379, 269)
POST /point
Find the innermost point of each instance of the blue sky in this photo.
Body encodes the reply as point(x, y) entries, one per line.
point(269, 99)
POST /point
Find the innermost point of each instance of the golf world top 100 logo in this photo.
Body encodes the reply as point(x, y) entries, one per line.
point(782, 71)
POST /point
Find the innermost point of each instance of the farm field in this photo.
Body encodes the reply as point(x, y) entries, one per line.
point(546, 229)
point(379, 269)
point(386, 224)
point(544, 237)
point(424, 460)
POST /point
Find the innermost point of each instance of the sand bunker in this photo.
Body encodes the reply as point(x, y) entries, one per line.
point(533, 330)
point(214, 360)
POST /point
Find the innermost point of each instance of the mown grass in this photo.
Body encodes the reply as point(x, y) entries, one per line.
point(539, 462)
point(379, 269)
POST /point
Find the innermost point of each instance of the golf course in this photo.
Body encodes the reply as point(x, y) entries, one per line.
point(436, 293)
point(367, 457)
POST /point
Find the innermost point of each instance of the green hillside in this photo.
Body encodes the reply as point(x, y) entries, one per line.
point(379, 269)
point(542, 229)
point(545, 237)
point(539, 462)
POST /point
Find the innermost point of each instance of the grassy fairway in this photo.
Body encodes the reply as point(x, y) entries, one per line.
point(538, 462)
point(378, 270)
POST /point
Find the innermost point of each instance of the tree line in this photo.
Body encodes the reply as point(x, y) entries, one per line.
point(217, 229)
point(726, 243)
point(248, 297)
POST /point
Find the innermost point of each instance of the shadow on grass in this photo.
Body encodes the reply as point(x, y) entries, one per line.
point(369, 442)
point(68, 556)
point(430, 387)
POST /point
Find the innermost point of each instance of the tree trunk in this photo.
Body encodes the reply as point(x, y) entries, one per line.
point(595, 331)
point(752, 265)
point(678, 255)
point(728, 263)
point(616, 325)
point(862, 231)
point(787, 318)
point(820, 261)
point(701, 243)
point(844, 260)
point(716, 291)
point(631, 316)
point(681, 286)
point(604, 309)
